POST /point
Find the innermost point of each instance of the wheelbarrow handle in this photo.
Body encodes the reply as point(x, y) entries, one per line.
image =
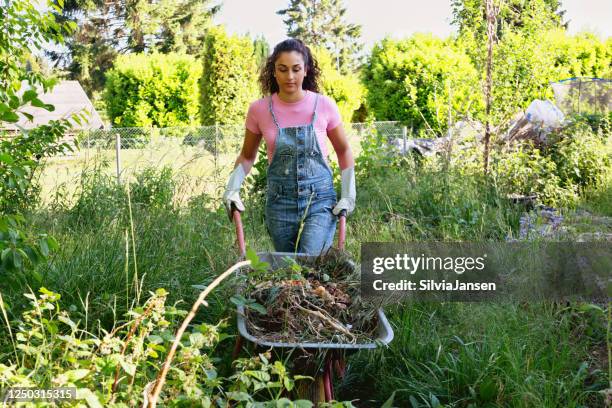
point(239, 230)
point(341, 229)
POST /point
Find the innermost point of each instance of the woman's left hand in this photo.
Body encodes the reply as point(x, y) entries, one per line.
point(339, 141)
point(349, 193)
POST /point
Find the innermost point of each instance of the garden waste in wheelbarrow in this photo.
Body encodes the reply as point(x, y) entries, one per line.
point(333, 359)
point(370, 338)
point(381, 335)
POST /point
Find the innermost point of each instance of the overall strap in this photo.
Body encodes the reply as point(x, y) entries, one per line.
point(314, 111)
point(272, 112)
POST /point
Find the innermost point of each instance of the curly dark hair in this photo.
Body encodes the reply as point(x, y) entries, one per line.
point(311, 81)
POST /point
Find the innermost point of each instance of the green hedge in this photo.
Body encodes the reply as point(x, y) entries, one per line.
point(153, 90)
point(229, 78)
point(526, 65)
point(346, 90)
point(411, 80)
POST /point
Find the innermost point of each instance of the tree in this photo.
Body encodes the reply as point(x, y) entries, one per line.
point(321, 23)
point(346, 90)
point(514, 15)
point(99, 37)
point(261, 50)
point(531, 47)
point(229, 78)
point(107, 28)
point(179, 25)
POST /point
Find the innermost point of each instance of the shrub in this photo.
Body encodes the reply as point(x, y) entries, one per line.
point(144, 90)
point(229, 78)
point(581, 158)
point(345, 89)
point(49, 347)
point(408, 198)
point(526, 170)
point(598, 122)
point(101, 200)
point(408, 80)
point(153, 188)
point(526, 62)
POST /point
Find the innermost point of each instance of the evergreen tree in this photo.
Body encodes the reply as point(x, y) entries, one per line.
point(229, 78)
point(514, 16)
point(107, 28)
point(179, 25)
point(92, 48)
point(321, 23)
point(261, 50)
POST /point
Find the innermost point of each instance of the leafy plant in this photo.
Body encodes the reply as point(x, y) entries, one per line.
point(153, 188)
point(526, 170)
point(344, 88)
point(25, 29)
point(160, 90)
point(581, 158)
point(48, 348)
point(408, 80)
point(240, 300)
point(258, 375)
point(229, 78)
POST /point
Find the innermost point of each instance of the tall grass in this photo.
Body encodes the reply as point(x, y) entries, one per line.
point(476, 355)
point(175, 247)
point(413, 202)
point(454, 354)
point(465, 355)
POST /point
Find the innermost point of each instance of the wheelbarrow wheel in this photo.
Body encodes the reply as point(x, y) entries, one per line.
point(313, 391)
point(321, 388)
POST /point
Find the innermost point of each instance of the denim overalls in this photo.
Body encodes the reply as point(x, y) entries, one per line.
point(300, 188)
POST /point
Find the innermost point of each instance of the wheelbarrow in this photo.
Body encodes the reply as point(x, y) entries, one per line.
point(321, 389)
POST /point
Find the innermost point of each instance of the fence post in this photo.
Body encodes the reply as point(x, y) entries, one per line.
point(87, 146)
point(216, 138)
point(450, 125)
point(404, 136)
point(216, 154)
point(118, 156)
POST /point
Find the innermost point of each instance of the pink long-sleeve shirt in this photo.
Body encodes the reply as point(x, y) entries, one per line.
point(260, 122)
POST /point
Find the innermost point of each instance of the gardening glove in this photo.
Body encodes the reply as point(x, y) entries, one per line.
point(349, 194)
point(232, 191)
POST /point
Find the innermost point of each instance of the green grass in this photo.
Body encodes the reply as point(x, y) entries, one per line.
point(480, 355)
point(462, 355)
point(465, 354)
point(202, 171)
point(599, 200)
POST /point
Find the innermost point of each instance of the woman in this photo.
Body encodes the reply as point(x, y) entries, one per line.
point(295, 120)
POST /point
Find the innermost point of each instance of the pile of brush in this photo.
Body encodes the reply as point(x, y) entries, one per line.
point(314, 300)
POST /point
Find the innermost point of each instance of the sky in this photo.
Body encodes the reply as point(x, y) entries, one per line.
point(397, 18)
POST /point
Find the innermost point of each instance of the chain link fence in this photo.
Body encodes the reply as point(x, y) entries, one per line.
point(201, 158)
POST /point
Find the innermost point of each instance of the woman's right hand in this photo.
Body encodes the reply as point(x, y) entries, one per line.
point(243, 165)
point(231, 201)
point(232, 191)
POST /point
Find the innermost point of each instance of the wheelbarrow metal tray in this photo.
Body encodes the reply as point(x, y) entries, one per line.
point(276, 261)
